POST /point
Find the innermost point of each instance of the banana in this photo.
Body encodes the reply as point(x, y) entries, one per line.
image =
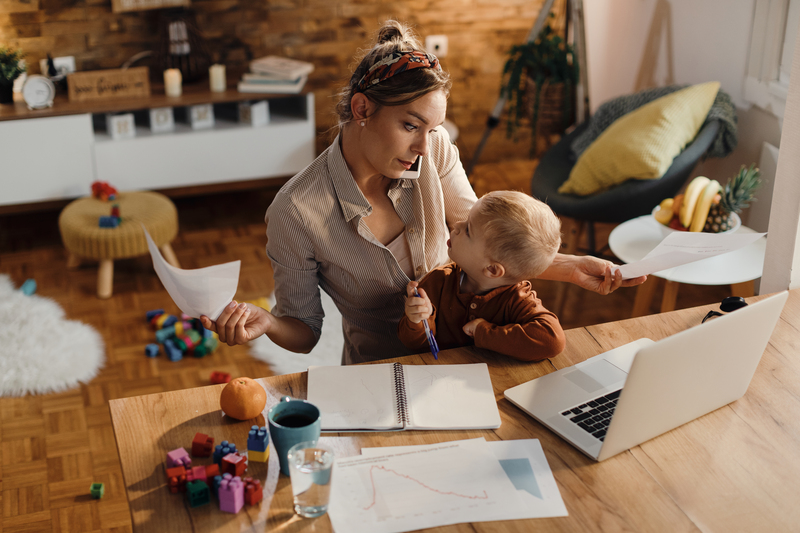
point(704, 205)
point(693, 192)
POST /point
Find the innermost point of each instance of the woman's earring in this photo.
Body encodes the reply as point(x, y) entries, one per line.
point(363, 123)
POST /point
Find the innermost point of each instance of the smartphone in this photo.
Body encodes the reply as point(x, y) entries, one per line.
point(413, 172)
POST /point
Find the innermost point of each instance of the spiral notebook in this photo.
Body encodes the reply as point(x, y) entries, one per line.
point(392, 397)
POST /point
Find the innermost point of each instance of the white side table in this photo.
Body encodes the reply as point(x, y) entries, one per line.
point(632, 240)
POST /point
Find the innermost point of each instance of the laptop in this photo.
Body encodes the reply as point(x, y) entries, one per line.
point(621, 398)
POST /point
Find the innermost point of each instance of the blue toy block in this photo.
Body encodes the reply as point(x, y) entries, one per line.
point(151, 350)
point(153, 313)
point(222, 449)
point(29, 287)
point(258, 439)
point(108, 222)
point(171, 319)
point(215, 488)
point(165, 333)
point(173, 352)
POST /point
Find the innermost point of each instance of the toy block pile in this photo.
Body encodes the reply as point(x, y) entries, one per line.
point(224, 477)
point(180, 336)
point(105, 192)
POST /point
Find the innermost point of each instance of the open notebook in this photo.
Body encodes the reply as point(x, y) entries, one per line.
point(387, 397)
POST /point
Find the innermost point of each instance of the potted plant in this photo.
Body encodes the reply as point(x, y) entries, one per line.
point(10, 69)
point(542, 70)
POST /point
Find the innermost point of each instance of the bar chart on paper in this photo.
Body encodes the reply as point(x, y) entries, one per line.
point(419, 489)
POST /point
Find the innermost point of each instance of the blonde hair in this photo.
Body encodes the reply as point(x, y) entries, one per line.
point(397, 90)
point(521, 233)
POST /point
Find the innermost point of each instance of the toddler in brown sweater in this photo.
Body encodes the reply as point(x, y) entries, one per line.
point(484, 297)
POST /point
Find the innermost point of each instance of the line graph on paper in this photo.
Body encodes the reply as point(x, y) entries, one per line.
point(481, 496)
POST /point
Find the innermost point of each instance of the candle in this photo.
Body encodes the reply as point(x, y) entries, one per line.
point(172, 82)
point(216, 78)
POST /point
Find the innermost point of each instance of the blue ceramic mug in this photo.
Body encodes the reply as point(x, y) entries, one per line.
point(292, 421)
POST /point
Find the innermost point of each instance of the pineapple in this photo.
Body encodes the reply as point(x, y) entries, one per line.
point(737, 195)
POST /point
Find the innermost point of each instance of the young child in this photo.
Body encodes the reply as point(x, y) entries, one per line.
point(484, 298)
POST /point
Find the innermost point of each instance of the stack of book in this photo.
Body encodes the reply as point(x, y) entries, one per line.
point(273, 74)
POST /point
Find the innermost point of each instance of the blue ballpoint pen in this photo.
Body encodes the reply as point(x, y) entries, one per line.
point(431, 339)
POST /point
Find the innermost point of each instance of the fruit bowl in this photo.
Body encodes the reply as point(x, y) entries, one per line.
point(666, 230)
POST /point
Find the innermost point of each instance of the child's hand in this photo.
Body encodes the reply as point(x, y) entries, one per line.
point(417, 308)
point(469, 327)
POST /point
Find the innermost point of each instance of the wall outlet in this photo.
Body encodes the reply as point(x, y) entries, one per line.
point(436, 45)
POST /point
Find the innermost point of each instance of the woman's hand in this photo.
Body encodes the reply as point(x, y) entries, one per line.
point(417, 308)
point(240, 323)
point(600, 276)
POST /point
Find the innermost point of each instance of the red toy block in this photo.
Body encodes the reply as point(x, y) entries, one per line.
point(202, 445)
point(253, 491)
point(196, 473)
point(220, 377)
point(176, 477)
point(212, 471)
point(234, 464)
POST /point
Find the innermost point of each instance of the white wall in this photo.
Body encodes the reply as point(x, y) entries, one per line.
point(635, 44)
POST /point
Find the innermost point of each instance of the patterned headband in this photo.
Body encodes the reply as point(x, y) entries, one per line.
point(395, 63)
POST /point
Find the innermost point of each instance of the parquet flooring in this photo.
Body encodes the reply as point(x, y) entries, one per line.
point(52, 447)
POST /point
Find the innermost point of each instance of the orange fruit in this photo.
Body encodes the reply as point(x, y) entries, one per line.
point(243, 398)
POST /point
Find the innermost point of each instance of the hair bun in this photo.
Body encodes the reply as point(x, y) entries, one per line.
point(391, 30)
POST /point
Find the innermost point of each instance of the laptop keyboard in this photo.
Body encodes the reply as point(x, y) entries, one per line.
point(594, 416)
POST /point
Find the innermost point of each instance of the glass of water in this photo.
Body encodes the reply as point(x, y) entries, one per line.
point(310, 468)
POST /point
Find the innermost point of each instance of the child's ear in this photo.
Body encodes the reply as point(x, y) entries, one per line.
point(494, 270)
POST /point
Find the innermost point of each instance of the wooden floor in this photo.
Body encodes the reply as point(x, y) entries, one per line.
point(52, 447)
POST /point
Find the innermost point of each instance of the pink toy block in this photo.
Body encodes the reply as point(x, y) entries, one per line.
point(202, 445)
point(178, 457)
point(234, 464)
point(197, 473)
point(253, 491)
point(231, 494)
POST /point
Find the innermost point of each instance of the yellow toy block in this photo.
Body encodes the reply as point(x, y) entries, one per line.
point(259, 457)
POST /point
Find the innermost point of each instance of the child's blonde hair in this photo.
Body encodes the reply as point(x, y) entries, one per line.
point(521, 233)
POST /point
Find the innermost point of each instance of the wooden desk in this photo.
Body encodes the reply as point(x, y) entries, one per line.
point(736, 469)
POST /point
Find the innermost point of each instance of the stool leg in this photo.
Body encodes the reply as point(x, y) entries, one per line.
point(745, 289)
point(105, 279)
point(73, 261)
point(644, 297)
point(169, 255)
point(670, 296)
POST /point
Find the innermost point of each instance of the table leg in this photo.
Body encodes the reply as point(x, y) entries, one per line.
point(105, 279)
point(169, 255)
point(745, 289)
point(644, 297)
point(670, 296)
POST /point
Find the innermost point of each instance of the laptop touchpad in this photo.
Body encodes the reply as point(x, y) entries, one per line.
point(596, 375)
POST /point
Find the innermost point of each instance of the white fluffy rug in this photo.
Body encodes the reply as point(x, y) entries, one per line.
point(40, 350)
point(328, 350)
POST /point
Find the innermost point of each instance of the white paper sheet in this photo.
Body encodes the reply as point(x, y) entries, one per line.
point(683, 247)
point(201, 291)
point(418, 488)
point(526, 466)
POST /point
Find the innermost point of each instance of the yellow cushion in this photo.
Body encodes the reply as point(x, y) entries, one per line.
point(642, 143)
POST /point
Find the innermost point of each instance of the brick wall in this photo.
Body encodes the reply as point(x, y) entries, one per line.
point(326, 32)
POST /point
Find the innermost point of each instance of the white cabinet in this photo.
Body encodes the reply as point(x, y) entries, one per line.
point(59, 157)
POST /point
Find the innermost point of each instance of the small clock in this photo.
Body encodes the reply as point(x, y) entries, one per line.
point(38, 92)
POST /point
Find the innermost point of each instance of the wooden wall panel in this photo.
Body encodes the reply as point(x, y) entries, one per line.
point(326, 32)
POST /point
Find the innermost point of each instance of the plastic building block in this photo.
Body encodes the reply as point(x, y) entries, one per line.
point(151, 350)
point(97, 490)
point(199, 351)
point(158, 322)
point(231, 494)
point(103, 191)
point(164, 334)
point(210, 344)
point(222, 449)
point(108, 222)
point(202, 445)
point(173, 352)
point(154, 313)
point(257, 439)
point(115, 210)
point(171, 319)
point(212, 471)
point(234, 464)
point(218, 377)
point(28, 287)
point(217, 482)
point(178, 457)
point(196, 473)
point(253, 491)
point(176, 479)
point(195, 336)
point(259, 457)
point(197, 493)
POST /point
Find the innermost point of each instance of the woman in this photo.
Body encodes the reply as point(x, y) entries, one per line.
point(356, 225)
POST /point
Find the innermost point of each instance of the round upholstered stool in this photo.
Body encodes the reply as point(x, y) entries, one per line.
point(85, 239)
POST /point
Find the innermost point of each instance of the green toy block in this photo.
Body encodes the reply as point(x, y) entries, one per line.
point(197, 493)
point(97, 490)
